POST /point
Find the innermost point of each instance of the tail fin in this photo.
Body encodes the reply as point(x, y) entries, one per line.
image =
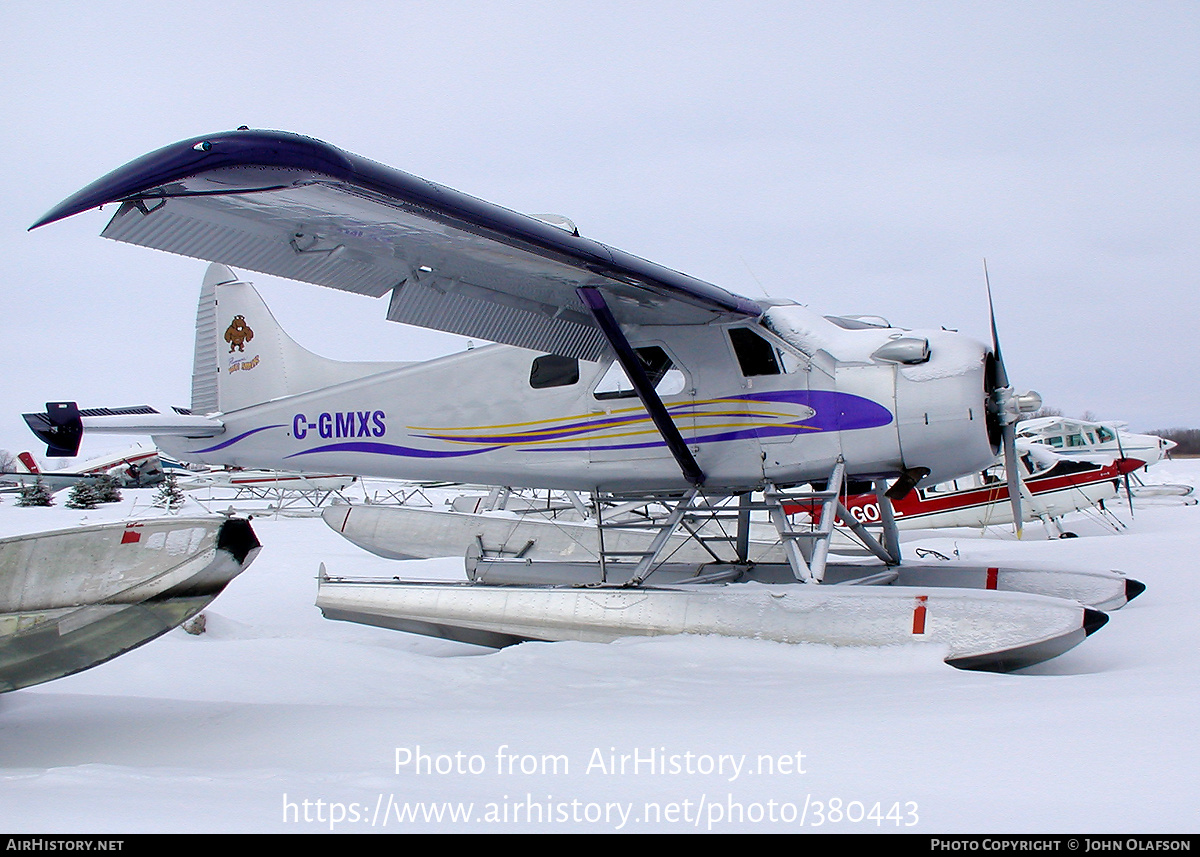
point(243, 357)
point(26, 464)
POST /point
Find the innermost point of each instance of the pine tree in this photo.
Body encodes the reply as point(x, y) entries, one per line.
point(83, 495)
point(36, 494)
point(108, 490)
point(170, 495)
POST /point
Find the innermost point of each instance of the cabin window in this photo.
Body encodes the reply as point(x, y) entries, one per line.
point(755, 355)
point(659, 368)
point(1105, 435)
point(550, 370)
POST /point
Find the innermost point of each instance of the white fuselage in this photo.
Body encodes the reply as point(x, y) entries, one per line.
point(1092, 441)
point(778, 402)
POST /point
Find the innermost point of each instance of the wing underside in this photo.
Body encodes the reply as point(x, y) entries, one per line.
point(293, 207)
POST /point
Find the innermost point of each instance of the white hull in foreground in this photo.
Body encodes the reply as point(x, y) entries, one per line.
point(984, 630)
point(72, 599)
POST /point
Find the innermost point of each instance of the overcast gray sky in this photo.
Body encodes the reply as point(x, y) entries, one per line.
point(858, 157)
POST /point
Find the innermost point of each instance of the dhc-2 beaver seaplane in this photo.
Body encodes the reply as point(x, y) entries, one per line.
point(611, 375)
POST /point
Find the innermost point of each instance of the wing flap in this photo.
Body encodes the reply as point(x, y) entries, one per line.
point(460, 308)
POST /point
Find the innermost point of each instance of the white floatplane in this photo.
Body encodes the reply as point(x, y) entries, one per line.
point(1083, 440)
point(1093, 441)
point(612, 375)
point(72, 599)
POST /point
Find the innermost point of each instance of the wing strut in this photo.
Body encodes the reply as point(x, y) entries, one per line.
point(594, 301)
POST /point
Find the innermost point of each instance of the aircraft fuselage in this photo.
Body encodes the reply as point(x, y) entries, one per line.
point(752, 407)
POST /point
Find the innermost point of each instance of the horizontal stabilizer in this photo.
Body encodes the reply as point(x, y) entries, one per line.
point(62, 425)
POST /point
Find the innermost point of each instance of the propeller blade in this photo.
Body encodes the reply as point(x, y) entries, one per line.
point(1001, 372)
point(1001, 402)
point(1012, 470)
point(1128, 490)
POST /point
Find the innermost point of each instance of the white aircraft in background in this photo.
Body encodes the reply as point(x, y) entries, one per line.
point(1104, 443)
point(1093, 441)
point(263, 480)
point(612, 375)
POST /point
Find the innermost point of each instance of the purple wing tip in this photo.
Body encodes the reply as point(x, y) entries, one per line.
point(196, 155)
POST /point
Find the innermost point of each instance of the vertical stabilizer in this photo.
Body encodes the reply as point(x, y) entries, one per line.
point(243, 357)
point(204, 361)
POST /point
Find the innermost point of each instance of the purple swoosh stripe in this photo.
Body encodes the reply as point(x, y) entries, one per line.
point(241, 436)
point(835, 412)
point(685, 409)
point(390, 449)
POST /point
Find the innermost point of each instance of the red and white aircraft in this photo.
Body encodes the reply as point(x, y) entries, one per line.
point(135, 467)
point(1052, 486)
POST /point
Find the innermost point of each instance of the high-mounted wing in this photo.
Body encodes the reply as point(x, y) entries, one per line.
point(295, 207)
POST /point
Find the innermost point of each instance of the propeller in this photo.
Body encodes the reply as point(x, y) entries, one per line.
point(1005, 407)
point(1128, 489)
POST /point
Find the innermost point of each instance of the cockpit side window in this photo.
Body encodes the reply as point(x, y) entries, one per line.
point(550, 370)
point(755, 355)
point(659, 368)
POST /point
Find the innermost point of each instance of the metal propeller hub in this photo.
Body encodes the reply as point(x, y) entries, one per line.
point(1009, 405)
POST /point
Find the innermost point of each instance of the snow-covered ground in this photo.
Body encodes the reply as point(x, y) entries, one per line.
point(277, 720)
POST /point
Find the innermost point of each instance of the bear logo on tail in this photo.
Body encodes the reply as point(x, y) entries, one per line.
point(238, 334)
